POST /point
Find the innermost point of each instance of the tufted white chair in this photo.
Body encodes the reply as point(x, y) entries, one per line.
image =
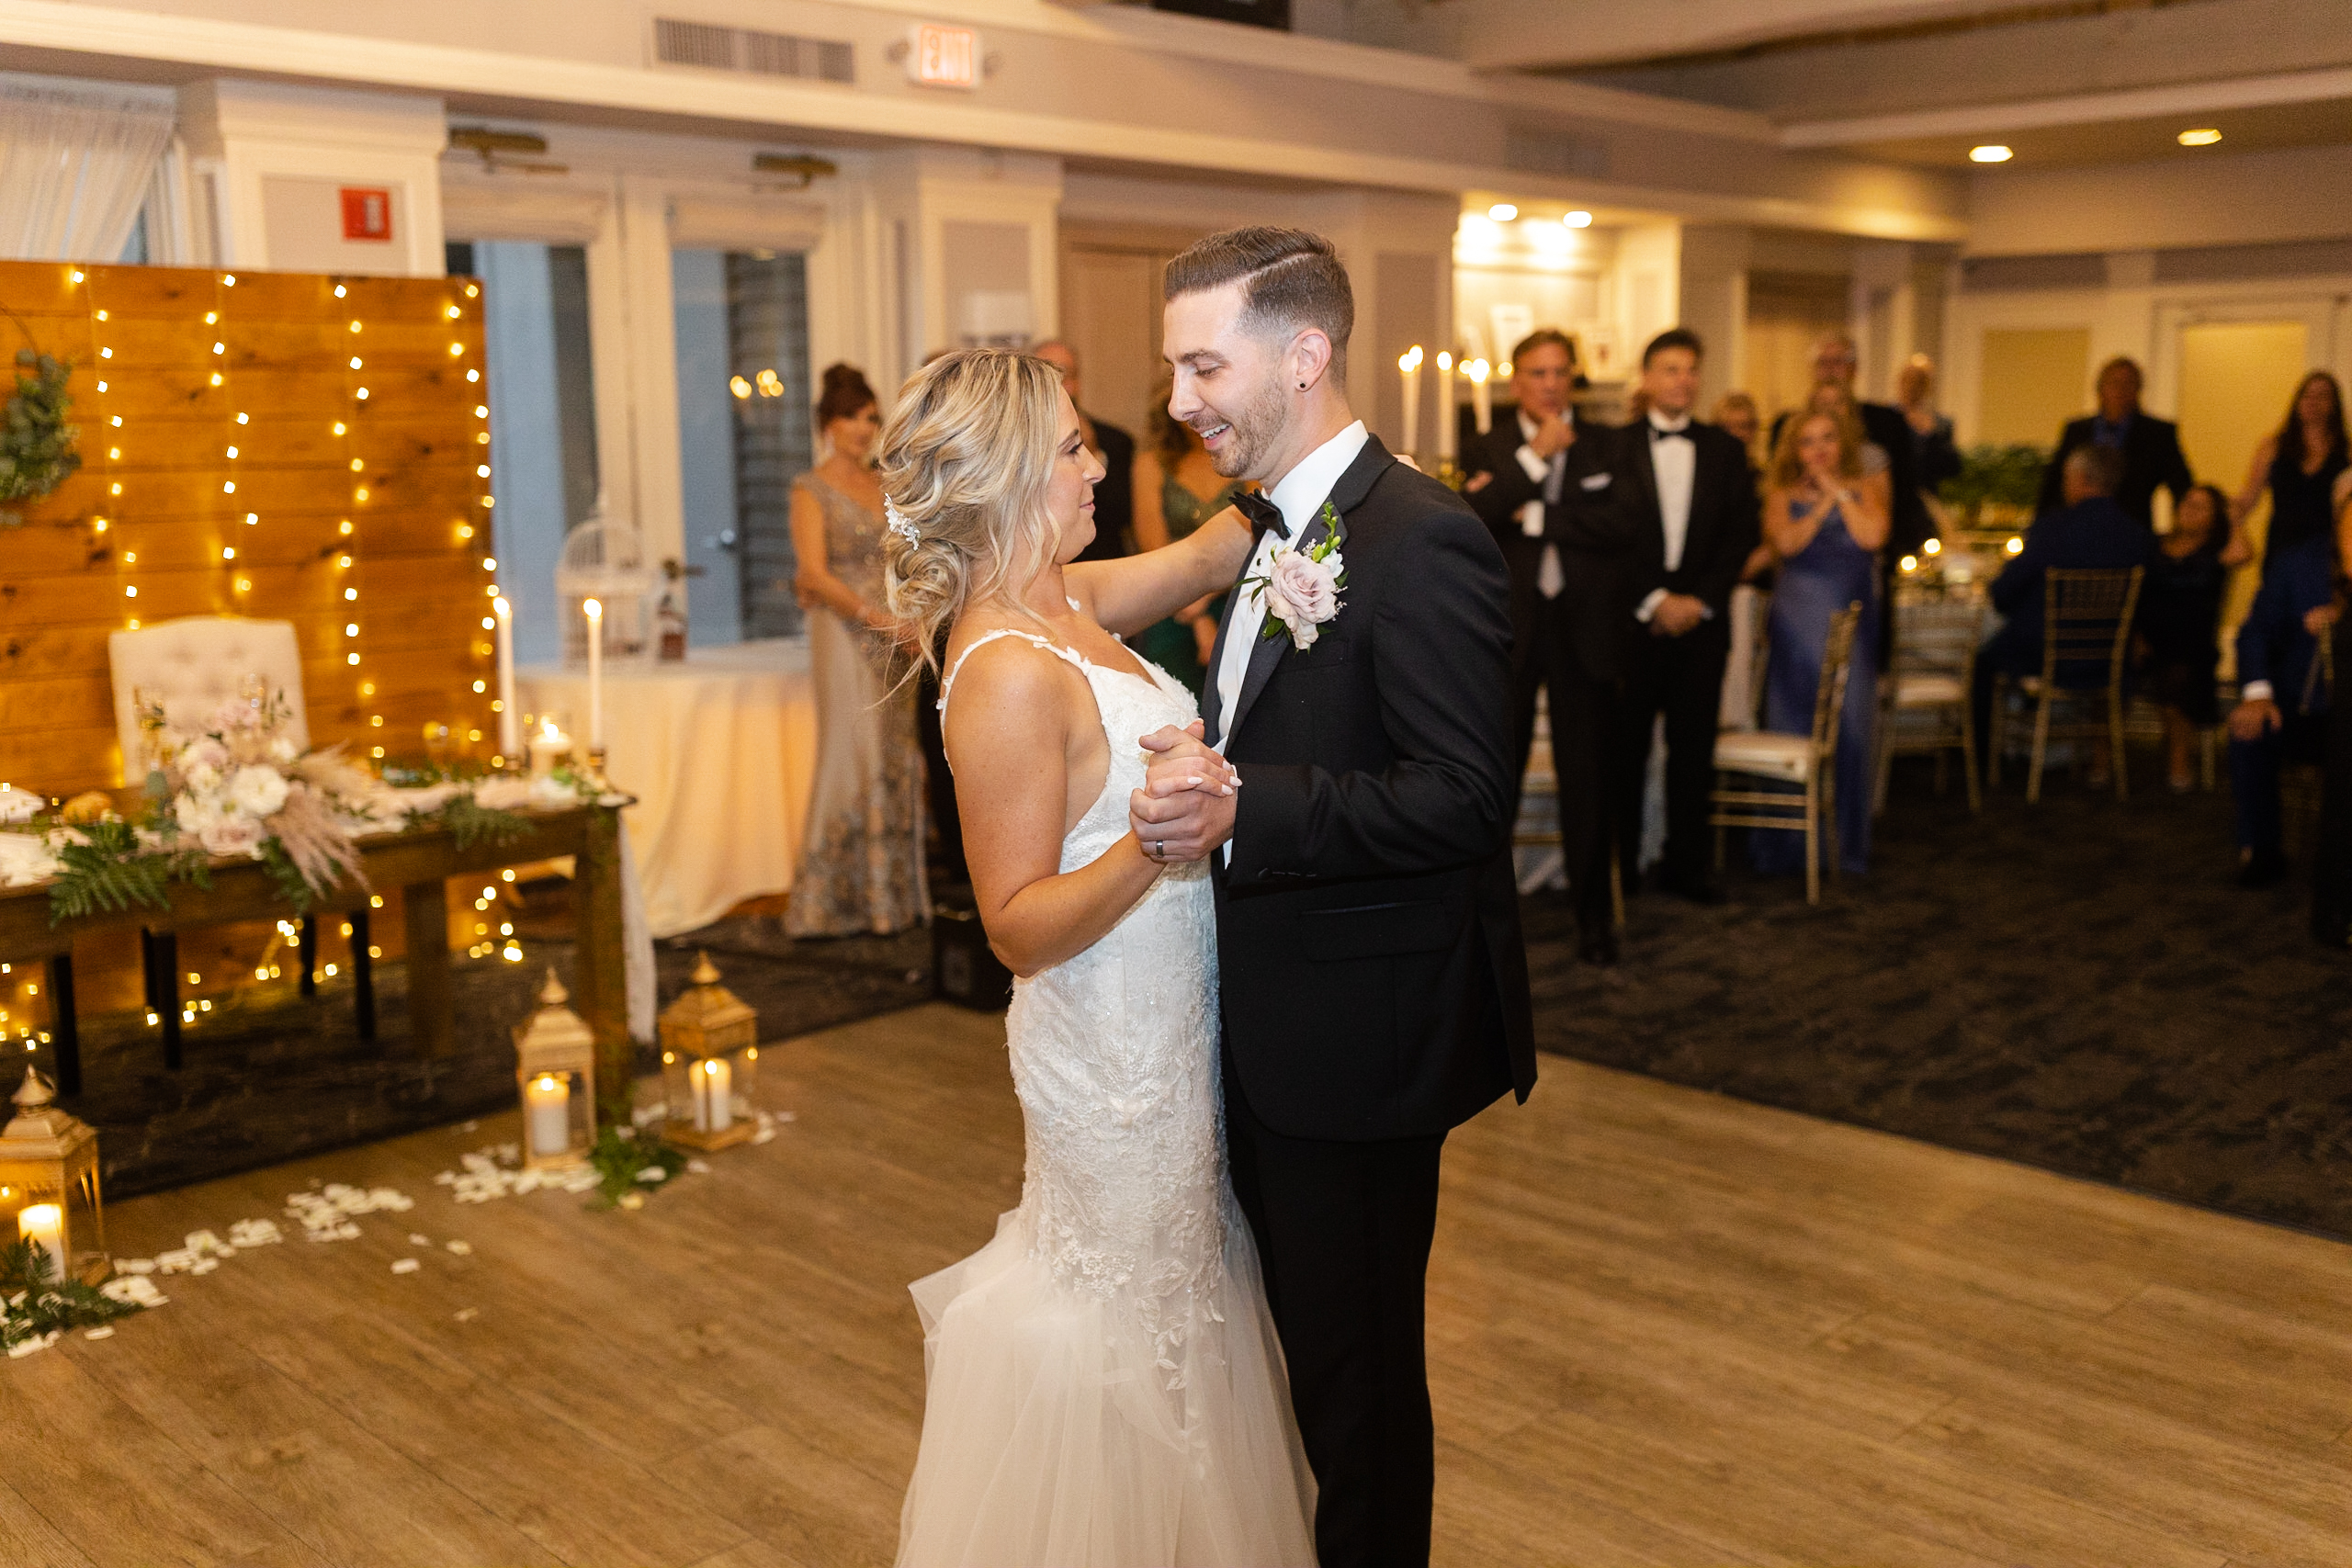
point(192, 664)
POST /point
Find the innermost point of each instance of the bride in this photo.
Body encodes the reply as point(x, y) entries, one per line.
point(1105, 1382)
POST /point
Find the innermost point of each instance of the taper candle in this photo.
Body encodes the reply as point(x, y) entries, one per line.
point(510, 741)
point(1449, 419)
point(1409, 371)
point(1482, 395)
point(594, 610)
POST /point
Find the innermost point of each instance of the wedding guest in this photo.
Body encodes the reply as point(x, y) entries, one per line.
point(2298, 465)
point(1835, 361)
point(1738, 416)
point(1690, 503)
point(2148, 448)
point(2331, 876)
point(1935, 457)
point(861, 850)
point(1826, 519)
point(1177, 489)
point(1735, 415)
point(2180, 624)
point(1540, 481)
point(2282, 712)
point(2089, 532)
point(1114, 497)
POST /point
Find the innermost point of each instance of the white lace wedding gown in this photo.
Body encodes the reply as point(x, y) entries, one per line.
point(1105, 1383)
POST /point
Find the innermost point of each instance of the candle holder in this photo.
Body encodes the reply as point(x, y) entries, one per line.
point(49, 1184)
point(710, 1053)
point(596, 767)
point(555, 1075)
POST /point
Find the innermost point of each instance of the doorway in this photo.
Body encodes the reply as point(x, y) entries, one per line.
point(1111, 304)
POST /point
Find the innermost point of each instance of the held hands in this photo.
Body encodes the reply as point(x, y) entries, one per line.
point(1185, 807)
point(2250, 720)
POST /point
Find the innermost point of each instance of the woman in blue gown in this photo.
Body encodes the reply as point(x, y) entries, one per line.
point(1825, 518)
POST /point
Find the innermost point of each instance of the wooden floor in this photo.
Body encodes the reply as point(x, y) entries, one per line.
point(1667, 1328)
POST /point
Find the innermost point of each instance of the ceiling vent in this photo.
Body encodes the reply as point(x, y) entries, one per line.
point(709, 48)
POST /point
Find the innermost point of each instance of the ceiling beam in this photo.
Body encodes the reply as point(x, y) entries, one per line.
point(2081, 109)
point(1581, 34)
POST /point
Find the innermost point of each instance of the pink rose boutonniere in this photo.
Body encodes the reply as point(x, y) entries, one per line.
point(1302, 588)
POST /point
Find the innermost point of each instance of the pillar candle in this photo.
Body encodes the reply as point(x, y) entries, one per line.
point(1482, 396)
point(1409, 371)
point(548, 746)
point(510, 743)
point(547, 1102)
point(1449, 419)
point(714, 1096)
point(43, 1225)
point(594, 610)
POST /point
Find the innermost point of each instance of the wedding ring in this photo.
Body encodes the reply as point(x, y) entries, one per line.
point(1159, 849)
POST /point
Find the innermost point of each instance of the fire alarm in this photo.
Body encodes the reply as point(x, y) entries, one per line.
point(367, 212)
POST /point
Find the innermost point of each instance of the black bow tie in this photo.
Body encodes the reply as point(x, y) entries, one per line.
point(1659, 433)
point(1264, 515)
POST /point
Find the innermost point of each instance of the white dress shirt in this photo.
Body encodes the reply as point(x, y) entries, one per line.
point(1675, 466)
point(1298, 495)
point(1549, 578)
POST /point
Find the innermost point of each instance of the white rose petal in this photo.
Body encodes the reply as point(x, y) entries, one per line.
point(406, 1265)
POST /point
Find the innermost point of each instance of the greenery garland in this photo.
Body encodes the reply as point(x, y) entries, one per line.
point(110, 871)
point(34, 1302)
point(37, 451)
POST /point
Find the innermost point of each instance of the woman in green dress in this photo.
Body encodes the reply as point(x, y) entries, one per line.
point(1177, 489)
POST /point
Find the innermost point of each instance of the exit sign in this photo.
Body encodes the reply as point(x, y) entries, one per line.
point(945, 56)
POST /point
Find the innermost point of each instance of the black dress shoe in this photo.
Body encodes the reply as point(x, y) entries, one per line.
point(1697, 890)
point(1601, 952)
point(2262, 869)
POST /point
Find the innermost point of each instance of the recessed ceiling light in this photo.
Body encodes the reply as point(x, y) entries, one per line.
point(2205, 137)
point(1991, 153)
point(1578, 219)
point(1502, 212)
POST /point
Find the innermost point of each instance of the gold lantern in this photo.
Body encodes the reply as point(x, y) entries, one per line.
point(710, 1053)
point(555, 1071)
point(49, 1184)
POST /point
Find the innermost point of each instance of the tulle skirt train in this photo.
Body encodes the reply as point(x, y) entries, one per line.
point(1061, 1430)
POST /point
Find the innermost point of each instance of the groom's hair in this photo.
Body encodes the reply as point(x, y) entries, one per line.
point(1292, 279)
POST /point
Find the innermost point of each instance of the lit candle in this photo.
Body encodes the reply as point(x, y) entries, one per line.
point(1409, 370)
point(548, 746)
point(43, 1225)
point(1482, 394)
point(546, 1100)
point(594, 610)
point(714, 1096)
point(510, 744)
point(1449, 419)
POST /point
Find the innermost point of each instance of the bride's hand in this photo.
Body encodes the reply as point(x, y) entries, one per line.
point(1183, 761)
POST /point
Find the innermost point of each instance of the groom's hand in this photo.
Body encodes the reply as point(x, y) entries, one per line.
point(1185, 807)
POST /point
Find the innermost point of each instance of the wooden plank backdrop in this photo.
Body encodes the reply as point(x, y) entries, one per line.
point(285, 445)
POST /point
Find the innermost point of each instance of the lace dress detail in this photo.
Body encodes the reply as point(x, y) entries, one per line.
point(1105, 1382)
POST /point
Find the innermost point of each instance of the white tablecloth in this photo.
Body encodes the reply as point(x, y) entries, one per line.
point(719, 750)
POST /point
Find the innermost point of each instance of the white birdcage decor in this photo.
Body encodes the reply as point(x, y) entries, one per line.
point(710, 1053)
point(49, 1184)
point(555, 1072)
point(604, 560)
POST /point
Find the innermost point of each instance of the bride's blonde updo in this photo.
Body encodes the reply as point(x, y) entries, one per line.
point(964, 461)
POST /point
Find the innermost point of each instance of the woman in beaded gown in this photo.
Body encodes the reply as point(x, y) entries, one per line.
point(1105, 1382)
point(861, 864)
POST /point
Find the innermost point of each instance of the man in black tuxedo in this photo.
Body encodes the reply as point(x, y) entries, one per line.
point(2149, 447)
point(1115, 492)
point(1542, 484)
point(1690, 500)
point(1374, 985)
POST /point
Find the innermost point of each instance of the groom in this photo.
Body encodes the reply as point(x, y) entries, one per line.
point(1374, 985)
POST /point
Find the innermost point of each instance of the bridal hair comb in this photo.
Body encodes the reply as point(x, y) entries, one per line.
point(900, 524)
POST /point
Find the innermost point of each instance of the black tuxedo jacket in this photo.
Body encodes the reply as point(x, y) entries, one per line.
point(1114, 496)
point(1586, 527)
point(1725, 519)
point(1373, 981)
point(2152, 459)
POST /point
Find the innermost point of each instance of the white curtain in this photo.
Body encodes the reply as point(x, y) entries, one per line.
point(76, 164)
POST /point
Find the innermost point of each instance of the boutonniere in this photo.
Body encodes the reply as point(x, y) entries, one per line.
point(1301, 588)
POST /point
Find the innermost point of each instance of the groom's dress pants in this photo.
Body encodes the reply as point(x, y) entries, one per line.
point(1343, 1232)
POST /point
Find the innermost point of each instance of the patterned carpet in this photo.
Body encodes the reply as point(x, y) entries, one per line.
point(2078, 986)
point(275, 1078)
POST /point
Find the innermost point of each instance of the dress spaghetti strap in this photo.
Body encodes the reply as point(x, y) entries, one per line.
point(947, 683)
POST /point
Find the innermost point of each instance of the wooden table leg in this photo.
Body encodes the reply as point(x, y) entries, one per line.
point(432, 1018)
point(363, 978)
point(600, 982)
point(161, 950)
point(307, 948)
point(64, 1036)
